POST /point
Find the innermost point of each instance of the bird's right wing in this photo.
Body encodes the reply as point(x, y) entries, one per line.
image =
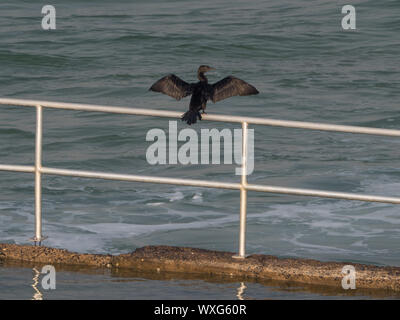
point(173, 86)
point(231, 86)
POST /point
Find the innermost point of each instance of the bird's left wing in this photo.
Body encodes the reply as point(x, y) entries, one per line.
point(231, 86)
point(173, 86)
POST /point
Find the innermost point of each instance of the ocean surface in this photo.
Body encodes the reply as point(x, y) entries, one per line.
point(295, 53)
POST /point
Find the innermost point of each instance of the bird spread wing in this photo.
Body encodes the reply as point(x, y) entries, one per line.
point(173, 86)
point(231, 86)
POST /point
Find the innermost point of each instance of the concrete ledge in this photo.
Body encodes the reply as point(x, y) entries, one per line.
point(206, 262)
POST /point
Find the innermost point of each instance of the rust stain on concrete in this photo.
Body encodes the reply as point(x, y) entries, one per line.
point(214, 263)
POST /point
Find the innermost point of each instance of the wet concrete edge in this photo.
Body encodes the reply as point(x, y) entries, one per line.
point(214, 263)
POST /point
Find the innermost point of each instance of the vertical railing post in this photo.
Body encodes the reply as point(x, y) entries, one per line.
point(243, 194)
point(38, 176)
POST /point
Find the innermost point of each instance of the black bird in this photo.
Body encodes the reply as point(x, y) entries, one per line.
point(201, 91)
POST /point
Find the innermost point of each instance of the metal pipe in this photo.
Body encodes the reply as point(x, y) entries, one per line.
point(136, 178)
point(17, 168)
point(38, 176)
point(243, 194)
point(210, 117)
point(204, 183)
point(322, 194)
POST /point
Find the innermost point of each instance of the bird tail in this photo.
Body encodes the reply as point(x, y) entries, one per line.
point(191, 116)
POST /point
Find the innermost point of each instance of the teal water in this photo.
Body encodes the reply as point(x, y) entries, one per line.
point(304, 65)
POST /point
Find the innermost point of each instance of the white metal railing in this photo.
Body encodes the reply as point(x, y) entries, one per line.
point(243, 186)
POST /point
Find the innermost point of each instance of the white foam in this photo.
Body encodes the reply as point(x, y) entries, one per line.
point(155, 204)
point(176, 196)
point(197, 197)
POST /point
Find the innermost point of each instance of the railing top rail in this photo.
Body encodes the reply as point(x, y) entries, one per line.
point(210, 117)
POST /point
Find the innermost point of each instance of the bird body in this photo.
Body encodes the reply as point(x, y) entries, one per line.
point(201, 91)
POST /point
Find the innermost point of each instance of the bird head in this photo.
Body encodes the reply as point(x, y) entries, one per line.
point(204, 68)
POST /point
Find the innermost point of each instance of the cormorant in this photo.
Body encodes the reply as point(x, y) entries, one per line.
point(201, 91)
